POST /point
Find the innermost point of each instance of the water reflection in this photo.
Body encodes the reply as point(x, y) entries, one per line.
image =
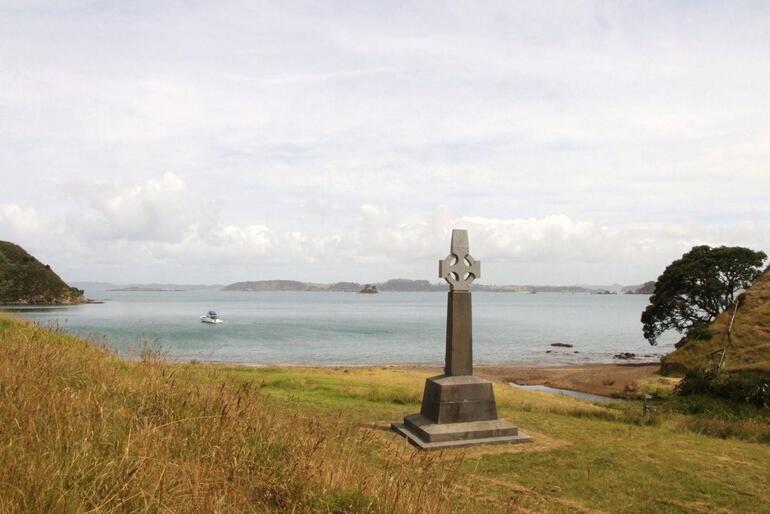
point(567, 392)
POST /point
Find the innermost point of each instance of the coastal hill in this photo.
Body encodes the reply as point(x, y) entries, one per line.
point(25, 280)
point(647, 288)
point(749, 348)
point(394, 285)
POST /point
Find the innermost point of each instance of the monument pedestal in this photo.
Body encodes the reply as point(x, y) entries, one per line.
point(458, 411)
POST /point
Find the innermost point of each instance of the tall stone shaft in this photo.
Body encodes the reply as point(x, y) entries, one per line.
point(459, 269)
point(459, 334)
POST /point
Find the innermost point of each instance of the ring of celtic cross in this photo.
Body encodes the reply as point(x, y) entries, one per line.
point(459, 271)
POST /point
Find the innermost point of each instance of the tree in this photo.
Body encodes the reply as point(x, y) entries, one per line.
point(695, 289)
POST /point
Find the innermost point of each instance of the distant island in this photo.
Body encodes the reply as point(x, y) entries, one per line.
point(646, 288)
point(146, 289)
point(392, 285)
point(110, 286)
point(400, 285)
point(290, 285)
point(25, 280)
point(369, 289)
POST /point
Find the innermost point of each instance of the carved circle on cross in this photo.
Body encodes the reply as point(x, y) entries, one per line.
point(459, 269)
point(459, 272)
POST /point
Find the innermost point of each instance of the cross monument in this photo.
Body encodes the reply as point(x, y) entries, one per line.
point(458, 408)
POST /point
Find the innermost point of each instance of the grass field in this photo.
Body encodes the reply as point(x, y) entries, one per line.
point(85, 431)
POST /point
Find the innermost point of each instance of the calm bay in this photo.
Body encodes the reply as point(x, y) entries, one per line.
point(325, 328)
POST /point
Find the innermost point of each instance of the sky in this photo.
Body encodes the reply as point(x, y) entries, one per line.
point(213, 142)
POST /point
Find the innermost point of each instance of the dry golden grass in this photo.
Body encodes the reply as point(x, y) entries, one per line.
point(83, 431)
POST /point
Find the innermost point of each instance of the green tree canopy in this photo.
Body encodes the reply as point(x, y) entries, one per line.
point(695, 289)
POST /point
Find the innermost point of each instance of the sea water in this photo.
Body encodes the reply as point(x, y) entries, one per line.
point(325, 328)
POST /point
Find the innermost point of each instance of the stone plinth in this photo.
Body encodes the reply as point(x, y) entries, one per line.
point(458, 399)
point(458, 411)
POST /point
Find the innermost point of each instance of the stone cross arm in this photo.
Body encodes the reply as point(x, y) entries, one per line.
point(459, 269)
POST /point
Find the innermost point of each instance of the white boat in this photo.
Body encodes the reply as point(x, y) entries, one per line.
point(211, 317)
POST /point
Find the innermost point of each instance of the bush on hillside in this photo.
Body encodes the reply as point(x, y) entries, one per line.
point(748, 389)
point(700, 333)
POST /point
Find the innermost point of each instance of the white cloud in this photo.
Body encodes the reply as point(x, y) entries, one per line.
point(165, 225)
point(17, 221)
point(155, 210)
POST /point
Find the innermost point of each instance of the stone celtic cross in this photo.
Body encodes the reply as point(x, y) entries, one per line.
point(459, 269)
point(458, 408)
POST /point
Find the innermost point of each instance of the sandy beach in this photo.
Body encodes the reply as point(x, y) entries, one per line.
point(599, 379)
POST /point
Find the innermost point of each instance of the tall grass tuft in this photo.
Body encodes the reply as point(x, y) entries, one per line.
point(83, 431)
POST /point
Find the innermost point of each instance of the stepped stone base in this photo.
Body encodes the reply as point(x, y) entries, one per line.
point(424, 434)
point(458, 411)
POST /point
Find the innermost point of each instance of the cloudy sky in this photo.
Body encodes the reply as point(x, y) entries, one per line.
point(579, 142)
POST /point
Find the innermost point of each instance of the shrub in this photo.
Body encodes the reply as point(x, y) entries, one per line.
point(747, 389)
point(700, 333)
point(697, 381)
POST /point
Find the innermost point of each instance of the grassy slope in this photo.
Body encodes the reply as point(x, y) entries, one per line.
point(749, 349)
point(84, 430)
point(25, 279)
